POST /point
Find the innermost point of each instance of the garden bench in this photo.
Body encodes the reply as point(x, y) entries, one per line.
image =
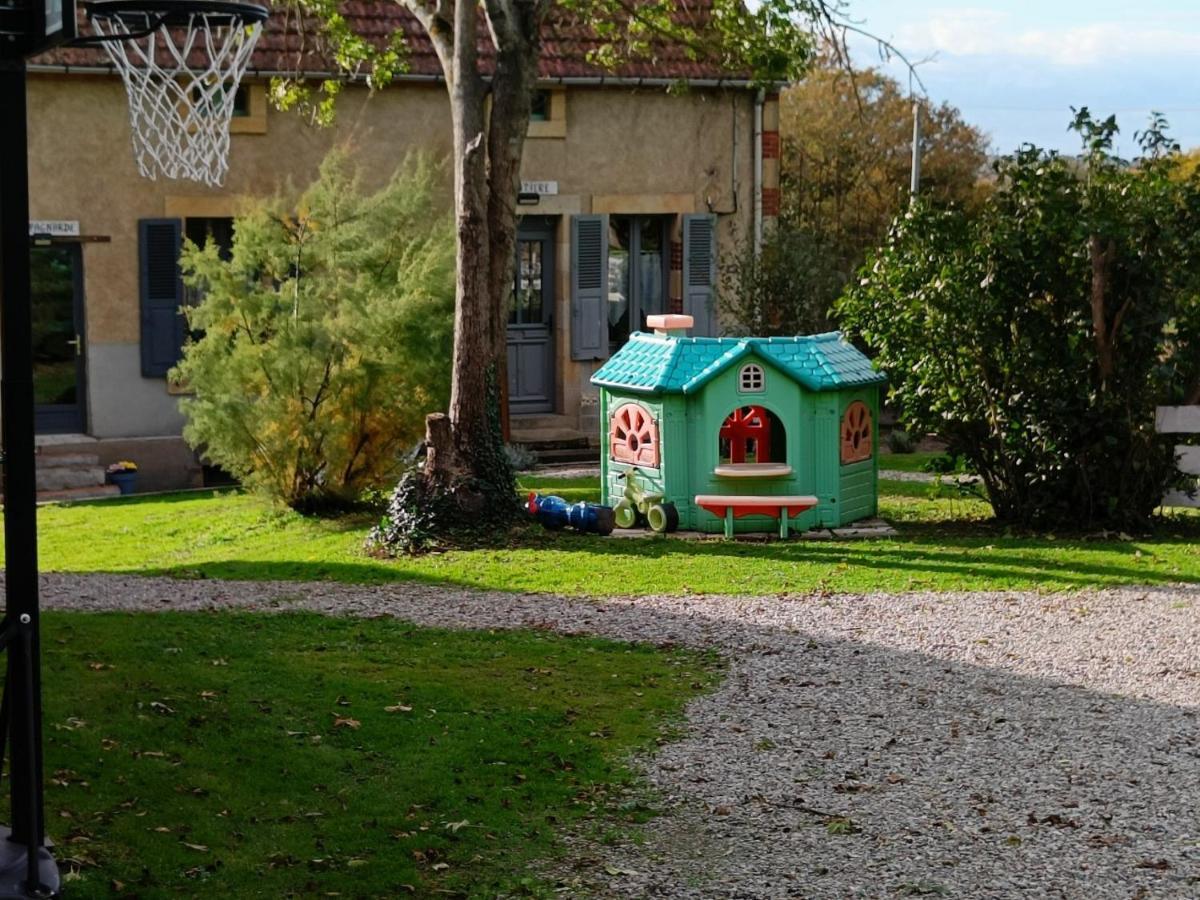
point(730, 507)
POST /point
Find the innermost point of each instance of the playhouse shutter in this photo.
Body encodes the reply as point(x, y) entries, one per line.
point(589, 287)
point(163, 325)
point(700, 272)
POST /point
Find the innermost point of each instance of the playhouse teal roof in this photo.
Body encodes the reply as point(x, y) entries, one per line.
point(656, 364)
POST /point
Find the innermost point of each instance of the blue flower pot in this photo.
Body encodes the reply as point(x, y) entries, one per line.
point(126, 481)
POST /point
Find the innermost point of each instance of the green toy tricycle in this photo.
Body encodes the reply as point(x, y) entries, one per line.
point(639, 506)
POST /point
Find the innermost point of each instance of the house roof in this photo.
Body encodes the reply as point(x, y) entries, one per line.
point(658, 364)
point(289, 46)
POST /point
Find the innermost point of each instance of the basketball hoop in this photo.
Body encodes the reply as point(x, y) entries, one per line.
point(181, 61)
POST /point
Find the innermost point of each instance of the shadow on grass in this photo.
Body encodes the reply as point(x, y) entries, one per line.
point(709, 566)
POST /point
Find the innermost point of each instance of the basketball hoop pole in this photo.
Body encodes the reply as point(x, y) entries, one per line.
point(26, 867)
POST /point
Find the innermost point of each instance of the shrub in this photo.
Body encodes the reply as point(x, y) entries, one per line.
point(900, 441)
point(786, 289)
point(325, 337)
point(1039, 336)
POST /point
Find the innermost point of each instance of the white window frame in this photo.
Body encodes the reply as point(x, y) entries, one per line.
point(749, 370)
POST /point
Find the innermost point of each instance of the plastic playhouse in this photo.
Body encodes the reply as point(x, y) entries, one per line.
point(738, 434)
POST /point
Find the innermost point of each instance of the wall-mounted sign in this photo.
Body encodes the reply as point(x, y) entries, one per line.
point(54, 227)
point(545, 188)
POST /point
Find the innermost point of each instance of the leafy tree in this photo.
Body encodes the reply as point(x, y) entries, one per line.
point(785, 288)
point(489, 52)
point(1039, 336)
point(847, 154)
point(324, 337)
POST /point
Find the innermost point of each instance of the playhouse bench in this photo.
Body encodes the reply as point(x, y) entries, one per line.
point(729, 507)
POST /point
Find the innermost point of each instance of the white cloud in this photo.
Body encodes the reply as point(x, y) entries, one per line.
point(982, 32)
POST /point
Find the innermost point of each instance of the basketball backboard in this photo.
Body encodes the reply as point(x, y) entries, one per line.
point(31, 27)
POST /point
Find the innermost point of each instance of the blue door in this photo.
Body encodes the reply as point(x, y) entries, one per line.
point(531, 320)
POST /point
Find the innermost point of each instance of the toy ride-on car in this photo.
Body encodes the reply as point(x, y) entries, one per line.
point(641, 506)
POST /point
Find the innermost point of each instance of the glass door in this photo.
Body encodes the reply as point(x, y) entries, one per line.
point(637, 274)
point(56, 284)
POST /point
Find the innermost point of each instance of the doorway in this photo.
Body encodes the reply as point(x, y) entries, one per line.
point(638, 274)
point(56, 288)
point(531, 319)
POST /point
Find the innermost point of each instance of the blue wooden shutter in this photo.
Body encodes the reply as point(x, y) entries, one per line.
point(589, 287)
point(700, 272)
point(163, 325)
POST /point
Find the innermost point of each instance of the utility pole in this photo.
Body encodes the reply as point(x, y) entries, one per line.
point(914, 187)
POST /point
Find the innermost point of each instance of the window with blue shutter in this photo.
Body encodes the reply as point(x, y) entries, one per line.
point(589, 287)
point(163, 327)
point(700, 273)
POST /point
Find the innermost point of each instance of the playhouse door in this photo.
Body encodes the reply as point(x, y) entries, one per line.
point(531, 321)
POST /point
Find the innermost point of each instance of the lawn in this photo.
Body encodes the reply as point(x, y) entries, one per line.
point(243, 755)
point(944, 544)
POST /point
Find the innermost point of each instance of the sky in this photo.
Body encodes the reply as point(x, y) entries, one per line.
point(1016, 67)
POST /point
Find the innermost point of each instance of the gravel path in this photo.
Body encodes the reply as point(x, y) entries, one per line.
point(964, 745)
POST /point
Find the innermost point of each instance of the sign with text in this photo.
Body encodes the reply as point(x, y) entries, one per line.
point(54, 227)
point(545, 188)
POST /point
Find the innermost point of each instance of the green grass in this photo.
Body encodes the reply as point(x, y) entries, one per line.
point(242, 755)
point(907, 462)
point(944, 544)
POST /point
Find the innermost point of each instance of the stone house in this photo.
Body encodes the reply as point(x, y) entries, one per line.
point(633, 192)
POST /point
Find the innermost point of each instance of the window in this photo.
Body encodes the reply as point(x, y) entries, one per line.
point(202, 230)
point(633, 436)
point(241, 102)
point(752, 435)
point(637, 274)
point(540, 111)
point(857, 433)
point(548, 113)
point(751, 379)
point(528, 297)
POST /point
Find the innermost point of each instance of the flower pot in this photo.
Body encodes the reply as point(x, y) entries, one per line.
point(126, 481)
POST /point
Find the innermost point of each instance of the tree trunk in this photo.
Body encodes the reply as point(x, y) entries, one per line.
point(1101, 259)
point(512, 95)
point(487, 162)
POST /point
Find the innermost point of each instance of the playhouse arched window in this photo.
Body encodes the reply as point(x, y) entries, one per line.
point(752, 379)
point(752, 434)
point(633, 436)
point(857, 433)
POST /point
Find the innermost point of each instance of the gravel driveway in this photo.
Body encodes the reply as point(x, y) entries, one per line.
point(964, 745)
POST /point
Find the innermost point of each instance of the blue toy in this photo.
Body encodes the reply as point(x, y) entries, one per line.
point(555, 513)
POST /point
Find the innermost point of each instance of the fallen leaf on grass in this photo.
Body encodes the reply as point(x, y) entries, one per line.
point(346, 722)
point(399, 707)
point(199, 847)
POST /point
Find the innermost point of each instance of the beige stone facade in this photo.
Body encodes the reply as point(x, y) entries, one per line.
point(620, 150)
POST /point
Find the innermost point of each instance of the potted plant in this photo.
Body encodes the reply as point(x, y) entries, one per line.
point(124, 475)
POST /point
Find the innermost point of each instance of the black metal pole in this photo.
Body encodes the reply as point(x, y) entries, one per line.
point(20, 489)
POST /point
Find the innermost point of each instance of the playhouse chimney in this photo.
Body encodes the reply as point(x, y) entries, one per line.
point(670, 325)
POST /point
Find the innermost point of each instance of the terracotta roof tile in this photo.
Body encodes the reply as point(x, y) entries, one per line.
point(566, 44)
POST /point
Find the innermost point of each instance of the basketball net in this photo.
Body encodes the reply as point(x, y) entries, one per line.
point(181, 80)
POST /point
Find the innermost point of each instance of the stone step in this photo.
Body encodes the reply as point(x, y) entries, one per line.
point(549, 438)
point(534, 421)
point(94, 492)
point(61, 478)
point(65, 460)
point(560, 456)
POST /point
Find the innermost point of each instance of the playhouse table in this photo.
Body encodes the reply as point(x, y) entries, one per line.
point(730, 507)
